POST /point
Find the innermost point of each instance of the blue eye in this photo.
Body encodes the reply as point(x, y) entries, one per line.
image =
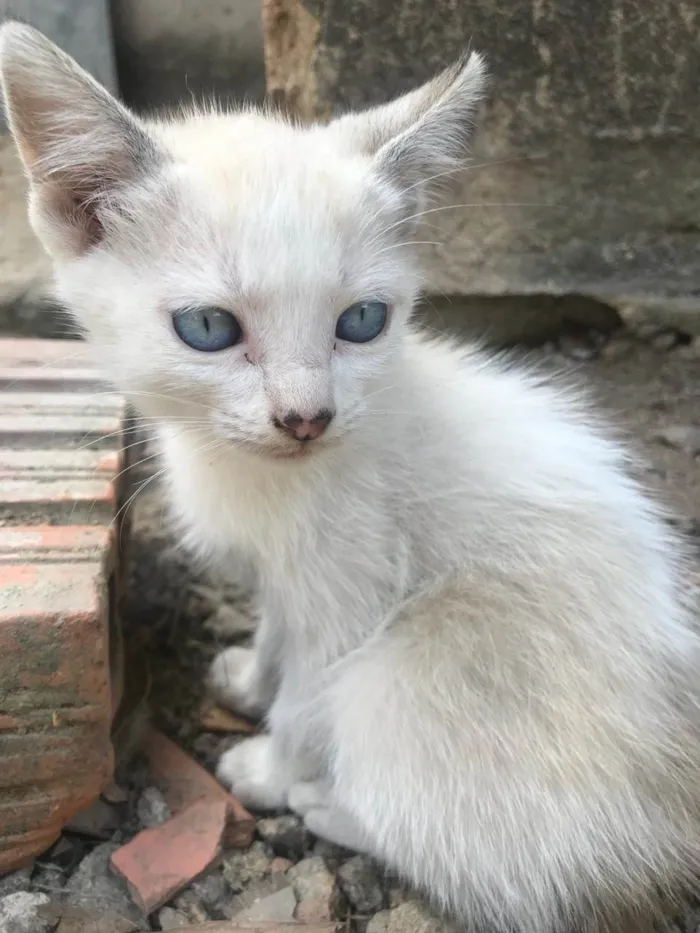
point(362, 322)
point(207, 329)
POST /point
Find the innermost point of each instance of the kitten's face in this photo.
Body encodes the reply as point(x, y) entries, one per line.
point(260, 274)
point(241, 278)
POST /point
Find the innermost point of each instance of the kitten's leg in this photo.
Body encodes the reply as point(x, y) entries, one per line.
point(246, 679)
point(309, 795)
point(256, 773)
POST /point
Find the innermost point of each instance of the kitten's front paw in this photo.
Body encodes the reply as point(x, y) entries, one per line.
point(308, 795)
point(233, 680)
point(313, 802)
point(254, 774)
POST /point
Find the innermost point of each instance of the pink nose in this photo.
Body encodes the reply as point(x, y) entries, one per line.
point(304, 429)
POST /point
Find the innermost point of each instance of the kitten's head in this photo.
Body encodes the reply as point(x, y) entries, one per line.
point(238, 275)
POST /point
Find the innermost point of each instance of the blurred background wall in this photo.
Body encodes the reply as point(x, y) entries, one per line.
point(583, 202)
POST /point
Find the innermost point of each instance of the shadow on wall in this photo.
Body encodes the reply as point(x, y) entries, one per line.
point(170, 50)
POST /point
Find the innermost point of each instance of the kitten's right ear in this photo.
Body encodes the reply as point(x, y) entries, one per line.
point(79, 145)
point(420, 138)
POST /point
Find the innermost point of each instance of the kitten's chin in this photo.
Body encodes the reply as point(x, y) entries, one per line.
point(302, 452)
point(281, 453)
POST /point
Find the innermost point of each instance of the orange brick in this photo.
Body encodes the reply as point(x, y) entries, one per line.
point(61, 453)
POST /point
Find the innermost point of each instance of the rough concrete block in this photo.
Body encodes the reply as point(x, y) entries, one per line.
point(169, 52)
point(584, 170)
point(60, 560)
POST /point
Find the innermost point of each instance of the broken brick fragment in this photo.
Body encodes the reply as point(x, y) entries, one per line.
point(159, 862)
point(183, 781)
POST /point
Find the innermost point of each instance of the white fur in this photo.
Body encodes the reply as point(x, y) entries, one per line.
point(477, 663)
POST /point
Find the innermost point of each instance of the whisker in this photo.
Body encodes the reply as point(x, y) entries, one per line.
point(452, 207)
point(457, 170)
point(125, 507)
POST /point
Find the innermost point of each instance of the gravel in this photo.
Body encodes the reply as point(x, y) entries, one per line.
point(94, 884)
point(20, 913)
point(278, 907)
point(170, 919)
point(16, 881)
point(360, 881)
point(242, 868)
point(151, 809)
point(286, 835)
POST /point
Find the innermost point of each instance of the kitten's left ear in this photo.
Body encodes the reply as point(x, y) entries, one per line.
point(79, 145)
point(425, 132)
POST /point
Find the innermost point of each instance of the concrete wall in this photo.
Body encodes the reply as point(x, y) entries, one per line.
point(585, 167)
point(82, 28)
point(170, 50)
point(586, 164)
point(164, 51)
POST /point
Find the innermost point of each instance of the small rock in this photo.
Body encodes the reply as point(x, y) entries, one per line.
point(170, 919)
point(314, 910)
point(315, 889)
point(645, 330)
point(287, 835)
point(82, 920)
point(380, 922)
point(397, 895)
point(19, 913)
point(212, 892)
point(279, 864)
point(681, 436)
point(115, 794)
point(410, 917)
point(311, 878)
point(95, 883)
point(277, 908)
point(99, 821)
point(578, 348)
point(616, 349)
point(188, 904)
point(359, 880)
point(17, 881)
point(254, 892)
point(666, 340)
point(333, 855)
point(152, 809)
point(241, 868)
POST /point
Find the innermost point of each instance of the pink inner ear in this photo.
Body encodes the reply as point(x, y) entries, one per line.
point(74, 210)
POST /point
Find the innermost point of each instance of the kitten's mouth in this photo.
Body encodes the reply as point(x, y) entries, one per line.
point(300, 452)
point(283, 453)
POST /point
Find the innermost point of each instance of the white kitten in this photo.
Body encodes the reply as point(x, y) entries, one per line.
point(473, 656)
